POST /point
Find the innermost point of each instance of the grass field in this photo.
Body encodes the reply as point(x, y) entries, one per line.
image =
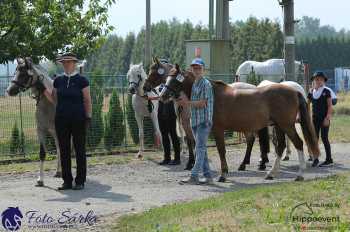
point(259, 208)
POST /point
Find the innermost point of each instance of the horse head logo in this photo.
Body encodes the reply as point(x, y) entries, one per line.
point(12, 219)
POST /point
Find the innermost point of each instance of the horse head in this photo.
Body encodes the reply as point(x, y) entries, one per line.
point(177, 81)
point(136, 78)
point(157, 74)
point(25, 77)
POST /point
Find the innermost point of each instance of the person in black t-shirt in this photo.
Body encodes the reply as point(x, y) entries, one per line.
point(321, 99)
point(167, 126)
point(73, 114)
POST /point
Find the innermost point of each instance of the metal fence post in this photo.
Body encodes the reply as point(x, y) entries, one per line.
point(21, 120)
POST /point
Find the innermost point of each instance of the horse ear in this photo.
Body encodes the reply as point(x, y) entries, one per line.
point(28, 61)
point(153, 59)
point(177, 67)
point(130, 65)
point(141, 65)
point(157, 60)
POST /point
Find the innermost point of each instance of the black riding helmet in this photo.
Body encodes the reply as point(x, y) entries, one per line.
point(319, 74)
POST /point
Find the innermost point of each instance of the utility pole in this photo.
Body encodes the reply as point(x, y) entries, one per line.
point(211, 19)
point(148, 35)
point(289, 39)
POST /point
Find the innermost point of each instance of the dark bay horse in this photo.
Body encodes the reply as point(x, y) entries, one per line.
point(250, 110)
point(158, 74)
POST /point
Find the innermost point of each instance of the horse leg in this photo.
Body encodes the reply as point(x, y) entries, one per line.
point(264, 142)
point(288, 151)
point(158, 135)
point(186, 124)
point(42, 156)
point(280, 145)
point(220, 145)
point(298, 143)
point(59, 168)
point(250, 138)
point(139, 121)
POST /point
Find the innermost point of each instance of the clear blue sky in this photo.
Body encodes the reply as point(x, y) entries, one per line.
point(129, 15)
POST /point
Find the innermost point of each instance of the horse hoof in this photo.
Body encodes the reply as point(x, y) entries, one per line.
point(189, 166)
point(241, 167)
point(58, 175)
point(222, 179)
point(269, 178)
point(286, 158)
point(39, 183)
point(262, 167)
point(299, 178)
point(139, 156)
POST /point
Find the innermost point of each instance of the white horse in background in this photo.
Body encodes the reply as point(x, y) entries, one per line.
point(142, 107)
point(272, 69)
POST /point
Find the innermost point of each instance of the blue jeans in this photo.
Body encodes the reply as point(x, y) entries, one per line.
point(201, 133)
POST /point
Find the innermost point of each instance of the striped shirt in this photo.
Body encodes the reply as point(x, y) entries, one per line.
point(202, 90)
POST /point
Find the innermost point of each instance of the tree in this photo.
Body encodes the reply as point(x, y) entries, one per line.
point(96, 130)
point(43, 28)
point(17, 140)
point(114, 120)
point(125, 55)
point(130, 115)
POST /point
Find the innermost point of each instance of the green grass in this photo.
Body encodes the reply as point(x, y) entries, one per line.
point(339, 131)
point(259, 208)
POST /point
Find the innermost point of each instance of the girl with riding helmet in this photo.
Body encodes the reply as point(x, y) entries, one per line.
point(322, 99)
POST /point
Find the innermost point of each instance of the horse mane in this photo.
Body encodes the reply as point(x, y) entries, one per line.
point(217, 82)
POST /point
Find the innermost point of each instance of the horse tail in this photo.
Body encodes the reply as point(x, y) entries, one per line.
point(308, 127)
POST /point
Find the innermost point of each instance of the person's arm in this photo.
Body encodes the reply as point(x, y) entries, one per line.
point(50, 95)
point(87, 102)
point(329, 109)
point(195, 104)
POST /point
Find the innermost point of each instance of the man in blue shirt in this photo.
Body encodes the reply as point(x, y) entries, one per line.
point(202, 107)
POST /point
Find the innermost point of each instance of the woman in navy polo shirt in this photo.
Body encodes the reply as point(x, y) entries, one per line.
point(321, 99)
point(73, 112)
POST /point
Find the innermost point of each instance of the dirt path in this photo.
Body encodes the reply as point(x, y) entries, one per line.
point(120, 189)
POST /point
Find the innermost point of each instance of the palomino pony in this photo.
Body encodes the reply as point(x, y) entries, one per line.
point(31, 76)
point(251, 110)
point(142, 107)
point(158, 74)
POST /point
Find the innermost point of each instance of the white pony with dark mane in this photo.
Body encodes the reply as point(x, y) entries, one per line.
point(34, 77)
point(143, 108)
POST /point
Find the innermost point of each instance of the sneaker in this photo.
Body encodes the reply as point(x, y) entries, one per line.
point(310, 158)
point(175, 162)
point(327, 163)
point(315, 163)
point(206, 180)
point(78, 187)
point(65, 187)
point(190, 180)
point(164, 162)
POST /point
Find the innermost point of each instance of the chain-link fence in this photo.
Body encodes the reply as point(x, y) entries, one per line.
point(113, 127)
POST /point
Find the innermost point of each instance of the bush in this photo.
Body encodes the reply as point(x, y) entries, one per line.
point(96, 130)
point(253, 78)
point(17, 141)
point(130, 114)
point(114, 121)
